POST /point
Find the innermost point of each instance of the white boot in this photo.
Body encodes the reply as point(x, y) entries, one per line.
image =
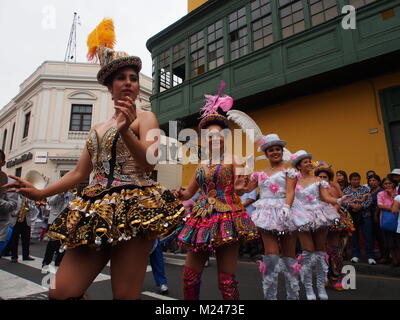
point(322, 269)
point(307, 274)
point(270, 271)
point(291, 273)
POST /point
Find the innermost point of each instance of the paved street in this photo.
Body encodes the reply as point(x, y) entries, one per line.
point(23, 281)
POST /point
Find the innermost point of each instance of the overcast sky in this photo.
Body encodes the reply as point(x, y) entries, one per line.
point(35, 31)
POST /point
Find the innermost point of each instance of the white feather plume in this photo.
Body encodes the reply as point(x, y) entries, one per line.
point(286, 154)
point(246, 123)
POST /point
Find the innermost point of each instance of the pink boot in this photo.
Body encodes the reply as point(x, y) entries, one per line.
point(191, 284)
point(228, 286)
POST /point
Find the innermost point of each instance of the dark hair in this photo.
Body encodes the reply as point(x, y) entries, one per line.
point(376, 177)
point(2, 155)
point(328, 171)
point(370, 171)
point(109, 80)
point(354, 175)
point(387, 179)
point(299, 163)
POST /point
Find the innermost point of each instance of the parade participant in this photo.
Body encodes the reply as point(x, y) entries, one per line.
point(310, 193)
point(272, 213)
point(57, 204)
point(157, 267)
point(22, 218)
point(122, 210)
point(338, 232)
point(217, 221)
point(273, 218)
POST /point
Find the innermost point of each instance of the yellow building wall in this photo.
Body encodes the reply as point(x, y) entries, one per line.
point(193, 4)
point(333, 125)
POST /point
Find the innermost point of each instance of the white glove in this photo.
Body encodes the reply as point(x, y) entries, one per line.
point(345, 198)
point(286, 211)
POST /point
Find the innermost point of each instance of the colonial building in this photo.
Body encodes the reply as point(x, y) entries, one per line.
point(44, 128)
point(324, 77)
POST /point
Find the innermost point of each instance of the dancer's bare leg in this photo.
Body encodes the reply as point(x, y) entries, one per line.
point(78, 269)
point(128, 268)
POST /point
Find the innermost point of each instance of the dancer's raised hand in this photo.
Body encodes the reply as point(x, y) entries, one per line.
point(23, 187)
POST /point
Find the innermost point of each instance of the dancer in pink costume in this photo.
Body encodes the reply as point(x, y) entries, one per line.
point(310, 203)
point(218, 220)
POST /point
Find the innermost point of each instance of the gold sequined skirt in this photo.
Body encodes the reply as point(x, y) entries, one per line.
point(118, 214)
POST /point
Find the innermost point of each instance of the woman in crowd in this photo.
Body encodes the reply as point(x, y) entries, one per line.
point(217, 220)
point(311, 192)
point(342, 180)
point(122, 210)
point(385, 202)
point(337, 233)
point(374, 184)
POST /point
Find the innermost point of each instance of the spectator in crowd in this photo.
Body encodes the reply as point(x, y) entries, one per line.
point(157, 267)
point(362, 218)
point(396, 210)
point(342, 180)
point(367, 175)
point(385, 202)
point(8, 204)
point(57, 204)
point(395, 177)
point(374, 184)
point(23, 217)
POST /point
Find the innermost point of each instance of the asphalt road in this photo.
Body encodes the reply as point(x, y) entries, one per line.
point(24, 281)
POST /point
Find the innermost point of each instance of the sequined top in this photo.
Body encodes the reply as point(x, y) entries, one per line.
point(113, 164)
point(217, 190)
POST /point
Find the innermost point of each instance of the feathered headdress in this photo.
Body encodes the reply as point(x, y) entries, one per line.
point(100, 44)
point(209, 112)
point(102, 36)
point(253, 131)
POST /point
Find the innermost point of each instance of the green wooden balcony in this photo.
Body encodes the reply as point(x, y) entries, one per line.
point(299, 39)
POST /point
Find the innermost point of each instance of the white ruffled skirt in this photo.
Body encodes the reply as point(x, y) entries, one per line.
point(268, 216)
point(313, 217)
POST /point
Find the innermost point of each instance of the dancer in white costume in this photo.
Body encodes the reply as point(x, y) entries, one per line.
point(272, 212)
point(312, 217)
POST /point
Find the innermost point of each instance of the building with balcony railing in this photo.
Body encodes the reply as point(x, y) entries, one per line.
point(298, 67)
point(43, 129)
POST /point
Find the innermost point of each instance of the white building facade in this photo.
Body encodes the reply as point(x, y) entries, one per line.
point(43, 129)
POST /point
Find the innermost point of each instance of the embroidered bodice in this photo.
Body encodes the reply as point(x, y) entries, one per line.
point(216, 183)
point(310, 195)
point(274, 186)
point(113, 164)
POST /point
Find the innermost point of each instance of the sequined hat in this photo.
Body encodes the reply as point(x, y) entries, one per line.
point(298, 156)
point(101, 43)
